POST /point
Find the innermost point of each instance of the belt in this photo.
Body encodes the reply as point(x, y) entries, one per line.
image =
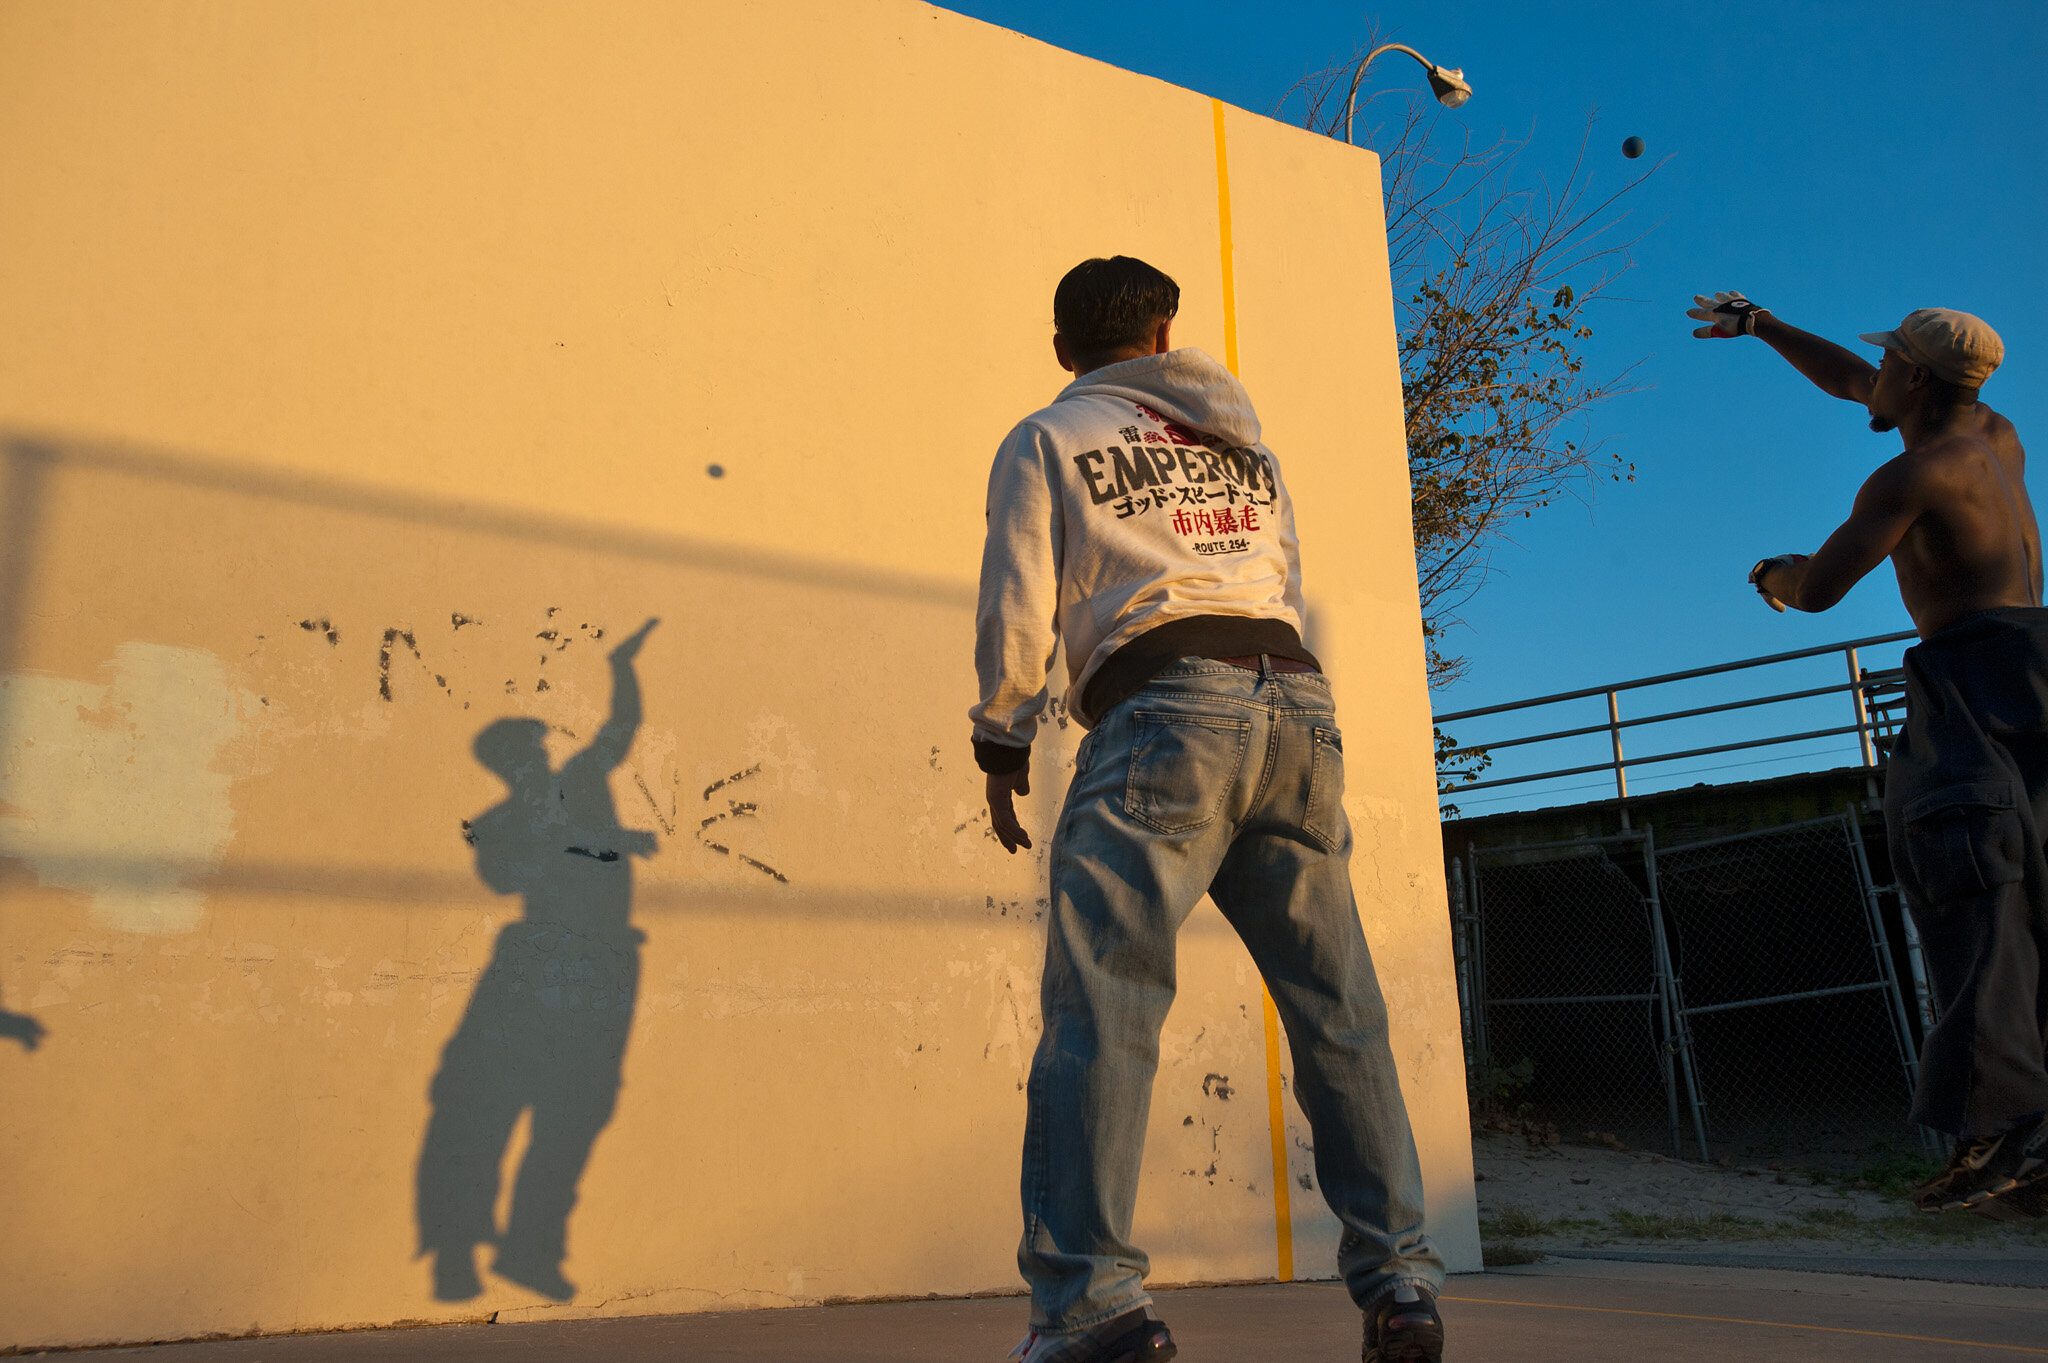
point(1251, 661)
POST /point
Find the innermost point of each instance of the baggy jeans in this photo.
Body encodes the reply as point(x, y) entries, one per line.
point(1966, 805)
point(1220, 780)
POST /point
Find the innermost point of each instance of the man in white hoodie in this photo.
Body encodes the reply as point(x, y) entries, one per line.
point(1139, 519)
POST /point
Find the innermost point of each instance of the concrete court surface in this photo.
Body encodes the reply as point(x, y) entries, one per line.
point(1561, 1311)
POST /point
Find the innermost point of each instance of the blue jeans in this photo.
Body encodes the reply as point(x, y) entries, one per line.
point(1212, 779)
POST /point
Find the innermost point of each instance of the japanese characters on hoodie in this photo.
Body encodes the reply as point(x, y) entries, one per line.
point(1140, 496)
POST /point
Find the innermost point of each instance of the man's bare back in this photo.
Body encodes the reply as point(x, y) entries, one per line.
point(1951, 511)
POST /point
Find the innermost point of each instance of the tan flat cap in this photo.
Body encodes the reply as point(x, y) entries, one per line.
point(1954, 345)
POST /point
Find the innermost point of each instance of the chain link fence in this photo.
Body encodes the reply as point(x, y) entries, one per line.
point(1784, 984)
point(1728, 997)
point(1573, 1012)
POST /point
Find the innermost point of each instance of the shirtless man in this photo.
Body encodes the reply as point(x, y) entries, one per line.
point(1966, 784)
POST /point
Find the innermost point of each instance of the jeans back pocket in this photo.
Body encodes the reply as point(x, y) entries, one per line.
point(1965, 839)
point(1322, 818)
point(1181, 768)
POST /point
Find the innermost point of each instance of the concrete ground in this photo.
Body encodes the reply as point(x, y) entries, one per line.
point(1559, 1311)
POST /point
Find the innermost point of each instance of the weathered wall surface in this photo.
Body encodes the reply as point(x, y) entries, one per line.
point(363, 372)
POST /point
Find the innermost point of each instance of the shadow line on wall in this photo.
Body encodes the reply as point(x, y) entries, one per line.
point(31, 456)
point(26, 473)
point(23, 491)
point(425, 888)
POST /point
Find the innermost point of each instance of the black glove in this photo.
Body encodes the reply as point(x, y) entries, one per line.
point(1728, 315)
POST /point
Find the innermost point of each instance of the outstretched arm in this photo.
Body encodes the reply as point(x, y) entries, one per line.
point(615, 738)
point(1886, 507)
point(1838, 372)
point(1835, 371)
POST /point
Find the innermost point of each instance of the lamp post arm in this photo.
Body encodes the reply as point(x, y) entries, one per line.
point(1351, 96)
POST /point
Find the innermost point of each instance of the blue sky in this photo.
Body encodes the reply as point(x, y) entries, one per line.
point(1841, 163)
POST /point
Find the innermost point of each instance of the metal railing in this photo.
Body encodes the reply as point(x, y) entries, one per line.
point(1872, 698)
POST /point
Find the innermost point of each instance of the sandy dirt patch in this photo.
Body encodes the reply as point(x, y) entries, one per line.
point(1580, 1196)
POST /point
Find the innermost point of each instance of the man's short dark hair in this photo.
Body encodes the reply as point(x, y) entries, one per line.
point(1104, 306)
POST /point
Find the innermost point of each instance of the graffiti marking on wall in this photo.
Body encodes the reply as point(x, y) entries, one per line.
point(553, 638)
point(654, 807)
point(734, 809)
point(405, 636)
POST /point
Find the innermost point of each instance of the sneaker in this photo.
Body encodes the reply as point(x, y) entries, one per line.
point(2013, 1161)
point(2028, 1202)
point(1403, 1327)
point(1137, 1336)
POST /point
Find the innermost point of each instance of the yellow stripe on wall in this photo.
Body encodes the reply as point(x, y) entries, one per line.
point(1276, 1115)
point(1223, 232)
point(1276, 1118)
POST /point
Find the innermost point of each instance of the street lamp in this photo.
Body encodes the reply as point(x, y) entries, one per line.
point(1446, 82)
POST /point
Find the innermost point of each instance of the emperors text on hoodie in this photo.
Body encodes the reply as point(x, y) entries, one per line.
point(1140, 496)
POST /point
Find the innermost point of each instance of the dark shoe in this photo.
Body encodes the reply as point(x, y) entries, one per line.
point(544, 1278)
point(2028, 1202)
point(1134, 1337)
point(1404, 1331)
point(455, 1274)
point(2012, 1161)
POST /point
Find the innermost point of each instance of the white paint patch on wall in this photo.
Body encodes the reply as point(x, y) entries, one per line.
point(117, 789)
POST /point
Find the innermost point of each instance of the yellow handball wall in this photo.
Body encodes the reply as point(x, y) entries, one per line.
point(368, 373)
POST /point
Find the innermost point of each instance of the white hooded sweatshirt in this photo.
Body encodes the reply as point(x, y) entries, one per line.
point(1140, 496)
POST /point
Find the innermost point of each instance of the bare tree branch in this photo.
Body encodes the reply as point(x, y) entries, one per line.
point(1494, 274)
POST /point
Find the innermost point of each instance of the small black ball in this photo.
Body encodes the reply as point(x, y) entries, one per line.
point(1632, 148)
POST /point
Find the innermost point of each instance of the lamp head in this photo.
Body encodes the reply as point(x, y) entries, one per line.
point(1448, 83)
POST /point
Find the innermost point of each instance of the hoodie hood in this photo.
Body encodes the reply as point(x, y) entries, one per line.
point(1186, 386)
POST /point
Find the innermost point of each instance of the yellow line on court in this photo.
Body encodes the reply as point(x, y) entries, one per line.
point(1276, 1114)
point(1737, 1320)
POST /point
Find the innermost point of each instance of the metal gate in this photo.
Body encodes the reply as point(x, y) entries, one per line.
point(1784, 986)
point(1569, 974)
point(1738, 990)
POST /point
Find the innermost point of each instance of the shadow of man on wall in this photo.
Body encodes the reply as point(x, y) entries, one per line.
point(546, 1030)
point(21, 1027)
